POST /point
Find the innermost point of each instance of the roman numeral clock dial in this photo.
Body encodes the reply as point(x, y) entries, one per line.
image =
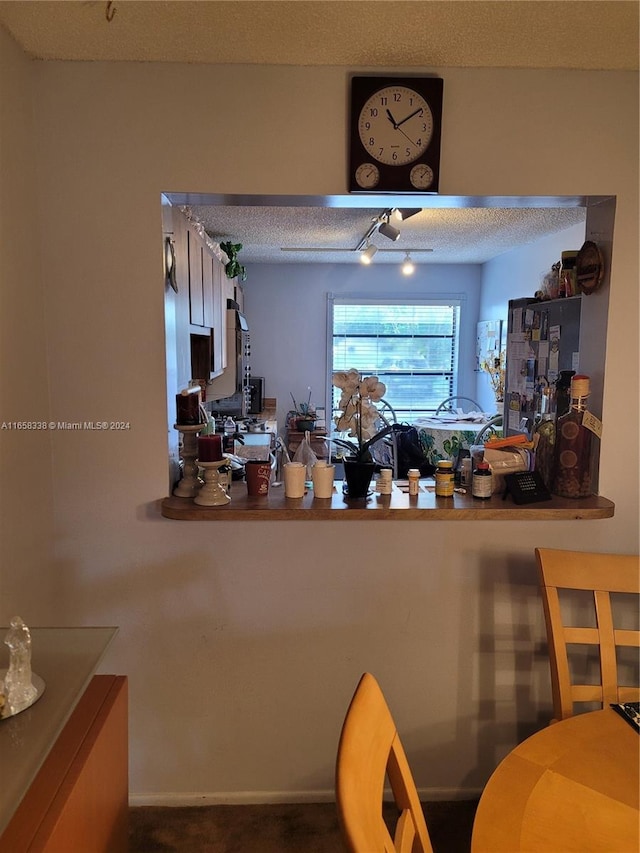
point(395, 134)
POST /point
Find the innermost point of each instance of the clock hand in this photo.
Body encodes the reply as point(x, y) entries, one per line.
point(404, 134)
point(391, 119)
point(414, 113)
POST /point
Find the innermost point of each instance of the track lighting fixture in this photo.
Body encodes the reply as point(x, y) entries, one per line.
point(388, 230)
point(401, 214)
point(367, 253)
point(408, 266)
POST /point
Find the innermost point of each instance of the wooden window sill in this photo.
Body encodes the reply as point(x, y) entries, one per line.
point(395, 507)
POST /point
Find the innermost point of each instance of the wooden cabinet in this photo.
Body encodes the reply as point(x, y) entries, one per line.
point(200, 305)
point(78, 800)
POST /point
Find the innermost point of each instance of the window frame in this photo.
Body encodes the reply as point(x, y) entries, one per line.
point(457, 300)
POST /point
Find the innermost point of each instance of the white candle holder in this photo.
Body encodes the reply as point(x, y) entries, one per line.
point(212, 493)
point(189, 485)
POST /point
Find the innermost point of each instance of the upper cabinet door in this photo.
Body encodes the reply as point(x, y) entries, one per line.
point(220, 317)
point(207, 288)
point(196, 299)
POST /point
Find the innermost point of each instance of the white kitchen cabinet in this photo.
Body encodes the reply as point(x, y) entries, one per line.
point(219, 326)
point(196, 296)
point(208, 311)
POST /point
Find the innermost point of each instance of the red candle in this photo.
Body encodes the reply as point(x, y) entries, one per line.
point(210, 448)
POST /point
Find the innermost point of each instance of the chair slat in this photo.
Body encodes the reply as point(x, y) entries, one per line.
point(405, 833)
point(601, 574)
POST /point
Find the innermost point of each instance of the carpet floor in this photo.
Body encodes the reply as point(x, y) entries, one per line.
point(304, 828)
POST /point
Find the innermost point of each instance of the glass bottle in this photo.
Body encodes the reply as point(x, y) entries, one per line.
point(482, 482)
point(572, 478)
point(545, 448)
point(563, 390)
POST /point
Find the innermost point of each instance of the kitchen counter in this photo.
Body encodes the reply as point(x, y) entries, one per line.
point(395, 507)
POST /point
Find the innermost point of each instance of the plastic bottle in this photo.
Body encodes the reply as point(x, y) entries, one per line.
point(572, 477)
point(482, 484)
point(414, 481)
point(444, 479)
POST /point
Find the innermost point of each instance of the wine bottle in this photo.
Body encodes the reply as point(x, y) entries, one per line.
point(572, 477)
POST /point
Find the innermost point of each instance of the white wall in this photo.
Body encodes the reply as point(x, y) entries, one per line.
point(244, 641)
point(286, 306)
point(515, 274)
point(25, 454)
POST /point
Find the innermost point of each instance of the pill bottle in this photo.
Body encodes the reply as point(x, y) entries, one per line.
point(482, 483)
point(444, 479)
point(414, 481)
point(385, 481)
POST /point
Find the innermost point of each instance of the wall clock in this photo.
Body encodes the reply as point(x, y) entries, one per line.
point(395, 132)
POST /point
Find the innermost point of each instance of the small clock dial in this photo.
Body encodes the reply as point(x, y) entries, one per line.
point(421, 176)
point(395, 125)
point(367, 175)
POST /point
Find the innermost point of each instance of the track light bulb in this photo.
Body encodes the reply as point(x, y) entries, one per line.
point(389, 231)
point(366, 256)
point(408, 267)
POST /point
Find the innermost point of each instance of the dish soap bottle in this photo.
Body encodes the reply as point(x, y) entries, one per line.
point(574, 432)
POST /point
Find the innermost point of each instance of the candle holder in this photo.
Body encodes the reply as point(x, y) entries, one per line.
point(212, 493)
point(189, 485)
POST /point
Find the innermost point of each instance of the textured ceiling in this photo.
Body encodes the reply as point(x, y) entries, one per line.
point(330, 235)
point(356, 34)
point(415, 33)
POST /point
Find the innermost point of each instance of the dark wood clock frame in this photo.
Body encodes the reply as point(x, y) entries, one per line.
point(395, 178)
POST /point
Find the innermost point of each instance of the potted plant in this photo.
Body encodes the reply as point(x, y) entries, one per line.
point(358, 417)
point(303, 414)
point(233, 268)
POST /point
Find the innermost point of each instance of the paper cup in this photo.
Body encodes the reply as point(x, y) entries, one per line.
point(322, 476)
point(257, 474)
point(294, 476)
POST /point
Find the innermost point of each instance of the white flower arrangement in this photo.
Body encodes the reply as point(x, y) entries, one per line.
point(358, 416)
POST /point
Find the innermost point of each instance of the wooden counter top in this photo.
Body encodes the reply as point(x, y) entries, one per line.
point(395, 507)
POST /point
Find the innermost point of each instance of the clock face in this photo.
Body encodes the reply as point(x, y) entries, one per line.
point(421, 176)
point(395, 132)
point(367, 175)
point(396, 125)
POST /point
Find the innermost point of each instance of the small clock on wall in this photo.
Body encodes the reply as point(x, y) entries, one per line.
point(395, 132)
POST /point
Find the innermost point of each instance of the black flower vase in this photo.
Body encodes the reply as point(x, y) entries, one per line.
point(357, 476)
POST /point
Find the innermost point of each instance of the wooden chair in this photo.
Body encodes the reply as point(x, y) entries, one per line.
point(369, 751)
point(601, 574)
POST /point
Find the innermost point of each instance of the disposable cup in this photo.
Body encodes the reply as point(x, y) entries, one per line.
point(322, 477)
point(294, 477)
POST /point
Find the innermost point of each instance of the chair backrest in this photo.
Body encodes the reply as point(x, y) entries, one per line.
point(601, 574)
point(370, 751)
point(489, 427)
point(446, 405)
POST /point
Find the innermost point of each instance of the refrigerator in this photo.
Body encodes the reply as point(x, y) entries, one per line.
point(543, 338)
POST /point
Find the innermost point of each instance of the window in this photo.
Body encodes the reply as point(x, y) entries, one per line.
point(412, 346)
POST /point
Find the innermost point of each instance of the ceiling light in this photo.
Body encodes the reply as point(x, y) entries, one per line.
point(367, 254)
point(389, 231)
point(403, 213)
point(408, 267)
